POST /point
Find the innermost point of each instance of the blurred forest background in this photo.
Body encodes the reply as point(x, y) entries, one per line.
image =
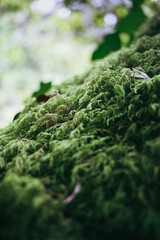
point(54, 40)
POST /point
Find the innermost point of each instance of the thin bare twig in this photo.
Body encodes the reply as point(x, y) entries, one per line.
point(76, 190)
point(139, 74)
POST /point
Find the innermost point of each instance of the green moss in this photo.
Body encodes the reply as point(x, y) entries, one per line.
point(102, 130)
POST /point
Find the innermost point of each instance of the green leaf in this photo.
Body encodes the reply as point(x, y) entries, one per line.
point(44, 87)
point(137, 3)
point(119, 90)
point(133, 20)
point(111, 43)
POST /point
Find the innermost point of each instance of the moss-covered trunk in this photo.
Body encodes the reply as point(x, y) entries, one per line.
point(101, 135)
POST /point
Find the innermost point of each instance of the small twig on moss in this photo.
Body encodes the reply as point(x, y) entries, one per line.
point(139, 74)
point(76, 190)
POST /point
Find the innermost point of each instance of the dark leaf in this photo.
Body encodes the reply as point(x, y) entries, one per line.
point(44, 87)
point(16, 116)
point(137, 4)
point(133, 20)
point(111, 43)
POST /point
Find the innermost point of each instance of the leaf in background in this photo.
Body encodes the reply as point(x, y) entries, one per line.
point(111, 43)
point(16, 116)
point(137, 3)
point(44, 87)
point(133, 20)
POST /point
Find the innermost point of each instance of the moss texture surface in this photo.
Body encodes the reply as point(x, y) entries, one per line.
point(102, 130)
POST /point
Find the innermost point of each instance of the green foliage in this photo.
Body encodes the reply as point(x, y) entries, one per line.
point(129, 24)
point(44, 88)
point(101, 130)
point(111, 43)
point(133, 20)
point(153, 25)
